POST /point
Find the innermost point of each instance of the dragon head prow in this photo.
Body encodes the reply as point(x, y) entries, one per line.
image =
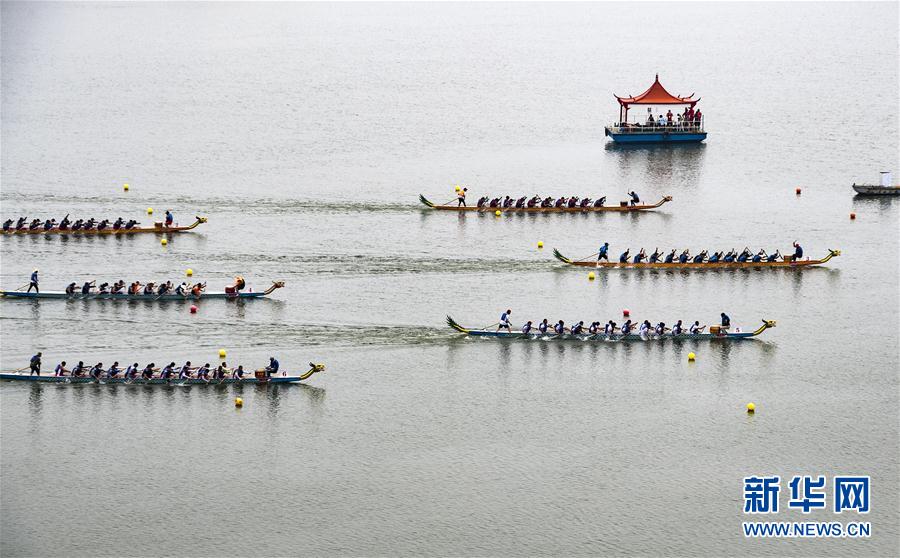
point(769, 323)
point(201, 219)
point(667, 198)
point(316, 367)
point(834, 252)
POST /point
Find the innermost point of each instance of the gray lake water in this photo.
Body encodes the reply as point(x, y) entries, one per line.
point(305, 133)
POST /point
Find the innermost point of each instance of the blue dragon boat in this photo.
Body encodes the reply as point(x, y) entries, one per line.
point(687, 127)
point(259, 377)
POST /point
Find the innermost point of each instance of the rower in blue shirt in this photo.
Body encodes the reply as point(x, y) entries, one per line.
point(527, 327)
point(670, 257)
point(504, 321)
point(634, 198)
point(34, 282)
point(169, 218)
point(798, 252)
point(35, 364)
point(624, 257)
point(602, 254)
point(272, 368)
point(639, 257)
point(542, 327)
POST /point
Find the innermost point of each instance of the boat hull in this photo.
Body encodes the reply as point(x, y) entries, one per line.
point(138, 381)
point(612, 338)
point(122, 296)
point(106, 232)
point(656, 137)
point(875, 190)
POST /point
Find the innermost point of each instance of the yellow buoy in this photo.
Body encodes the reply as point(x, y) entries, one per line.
point(164, 242)
point(457, 188)
point(149, 211)
point(125, 186)
point(238, 402)
point(691, 357)
point(591, 276)
point(751, 408)
point(497, 213)
point(221, 353)
point(540, 244)
point(189, 272)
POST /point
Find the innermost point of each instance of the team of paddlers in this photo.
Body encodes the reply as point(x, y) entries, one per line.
point(137, 288)
point(745, 255)
point(610, 328)
point(169, 372)
point(573, 202)
point(66, 224)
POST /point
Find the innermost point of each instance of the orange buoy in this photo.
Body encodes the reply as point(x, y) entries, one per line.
point(626, 312)
point(798, 191)
point(193, 308)
point(852, 216)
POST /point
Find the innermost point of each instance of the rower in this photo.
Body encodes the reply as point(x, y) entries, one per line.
point(508, 202)
point(86, 288)
point(21, 223)
point(677, 329)
point(640, 256)
point(609, 328)
point(113, 370)
point(131, 371)
point(35, 223)
point(585, 203)
point(103, 288)
point(118, 286)
point(149, 288)
point(660, 329)
point(654, 257)
point(221, 369)
point(7, 225)
point(117, 224)
point(273, 366)
point(89, 224)
point(798, 252)
point(634, 198)
point(548, 202)
point(495, 203)
point(520, 203)
point(696, 328)
point(730, 256)
point(623, 258)
point(49, 224)
point(726, 322)
point(134, 288)
point(542, 327)
point(594, 328)
point(461, 197)
point(700, 257)
point(573, 201)
point(744, 255)
point(670, 257)
point(169, 218)
point(532, 202)
point(64, 224)
point(102, 224)
point(600, 202)
point(33, 284)
point(481, 201)
point(77, 224)
point(715, 257)
point(147, 372)
point(683, 257)
point(760, 255)
point(185, 371)
point(644, 329)
point(626, 327)
point(181, 290)
point(197, 289)
point(603, 253)
point(60, 369)
point(203, 372)
point(168, 371)
point(163, 288)
point(578, 328)
point(527, 327)
point(774, 257)
point(35, 364)
point(78, 369)
point(504, 321)
point(238, 374)
point(96, 371)
point(560, 327)
point(130, 224)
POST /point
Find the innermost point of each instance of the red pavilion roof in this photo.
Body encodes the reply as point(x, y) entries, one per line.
point(657, 95)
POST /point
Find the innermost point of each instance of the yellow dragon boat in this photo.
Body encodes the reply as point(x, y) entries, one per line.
point(785, 262)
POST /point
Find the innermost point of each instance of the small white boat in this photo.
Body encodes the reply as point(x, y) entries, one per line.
point(886, 188)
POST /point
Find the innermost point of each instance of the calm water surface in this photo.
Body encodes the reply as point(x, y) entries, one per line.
point(305, 133)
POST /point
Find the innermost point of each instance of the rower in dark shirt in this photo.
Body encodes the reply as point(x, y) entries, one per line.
point(670, 257)
point(654, 257)
point(798, 252)
point(634, 198)
point(578, 328)
point(7, 225)
point(623, 258)
point(639, 257)
point(600, 202)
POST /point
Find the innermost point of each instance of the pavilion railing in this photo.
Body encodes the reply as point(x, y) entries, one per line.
point(655, 128)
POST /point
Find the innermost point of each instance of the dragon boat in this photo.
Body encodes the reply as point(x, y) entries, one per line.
point(146, 297)
point(717, 335)
point(622, 207)
point(158, 228)
point(258, 377)
point(786, 262)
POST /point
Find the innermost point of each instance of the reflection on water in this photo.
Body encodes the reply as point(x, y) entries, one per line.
point(659, 163)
